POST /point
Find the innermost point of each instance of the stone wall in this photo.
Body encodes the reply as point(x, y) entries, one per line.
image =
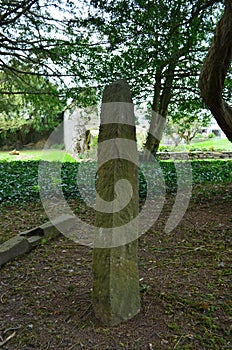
point(195, 155)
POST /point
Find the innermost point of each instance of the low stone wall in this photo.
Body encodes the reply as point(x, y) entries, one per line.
point(195, 155)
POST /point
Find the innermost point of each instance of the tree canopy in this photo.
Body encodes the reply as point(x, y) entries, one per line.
point(158, 47)
point(37, 37)
point(41, 39)
point(41, 50)
point(65, 48)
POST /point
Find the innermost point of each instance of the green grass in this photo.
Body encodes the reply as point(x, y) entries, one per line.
point(207, 145)
point(220, 144)
point(59, 155)
point(49, 155)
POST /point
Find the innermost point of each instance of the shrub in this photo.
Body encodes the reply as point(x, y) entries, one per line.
point(211, 135)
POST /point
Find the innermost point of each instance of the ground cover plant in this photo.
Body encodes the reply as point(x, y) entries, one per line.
point(45, 298)
point(19, 180)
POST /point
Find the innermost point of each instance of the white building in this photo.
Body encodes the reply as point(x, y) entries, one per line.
point(213, 128)
point(78, 122)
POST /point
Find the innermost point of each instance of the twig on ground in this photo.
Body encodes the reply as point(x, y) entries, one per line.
point(11, 329)
point(2, 297)
point(74, 345)
point(181, 337)
point(7, 339)
point(178, 342)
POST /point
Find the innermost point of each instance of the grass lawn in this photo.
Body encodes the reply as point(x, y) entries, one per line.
point(59, 155)
point(207, 145)
point(223, 144)
point(49, 155)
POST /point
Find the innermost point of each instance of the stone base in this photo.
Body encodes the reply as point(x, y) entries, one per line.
point(25, 241)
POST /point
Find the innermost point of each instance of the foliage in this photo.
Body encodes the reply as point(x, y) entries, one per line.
point(185, 127)
point(27, 113)
point(211, 135)
point(19, 182)
point(40, 66)
point(62, 49)
point(157, 46)
point(39, 39)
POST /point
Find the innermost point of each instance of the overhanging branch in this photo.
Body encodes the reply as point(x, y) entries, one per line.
point(215, 69)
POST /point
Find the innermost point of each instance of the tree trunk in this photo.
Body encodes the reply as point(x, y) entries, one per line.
point(19, 138)
point(159, 112)
point(214, 70)
point(152, 143)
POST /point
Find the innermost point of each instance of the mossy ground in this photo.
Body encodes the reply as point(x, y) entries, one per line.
point(185, 282)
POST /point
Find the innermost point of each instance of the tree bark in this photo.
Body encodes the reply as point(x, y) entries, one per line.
point(19, 138)
point(214, 70)
point(161, 100)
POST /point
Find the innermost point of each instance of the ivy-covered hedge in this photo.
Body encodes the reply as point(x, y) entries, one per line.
point(19, 180)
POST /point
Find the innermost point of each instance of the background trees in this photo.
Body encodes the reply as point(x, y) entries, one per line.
point(38, 38)
point(63, 50)
point(158, 46)
point(22, 114)
point(41, 44)
point(184, 125)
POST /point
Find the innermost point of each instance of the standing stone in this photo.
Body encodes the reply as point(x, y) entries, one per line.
point(115, 262)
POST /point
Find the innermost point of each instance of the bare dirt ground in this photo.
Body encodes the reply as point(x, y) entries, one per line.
point(185, 281)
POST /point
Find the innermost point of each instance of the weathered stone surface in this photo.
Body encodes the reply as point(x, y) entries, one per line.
point(28, 240)
point(115, 266)
point(12, 248)
point(196, 155)
point(49, 230)
point(34, 241)
point(53, 229)
point(36, 231)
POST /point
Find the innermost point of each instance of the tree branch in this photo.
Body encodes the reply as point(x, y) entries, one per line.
point(23, 6)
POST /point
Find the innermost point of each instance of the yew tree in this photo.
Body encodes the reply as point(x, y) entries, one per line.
point(40, 56)
point(217, 65)
point(158, 46)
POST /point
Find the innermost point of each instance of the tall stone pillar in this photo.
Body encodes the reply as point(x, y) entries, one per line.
point(115, 263)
